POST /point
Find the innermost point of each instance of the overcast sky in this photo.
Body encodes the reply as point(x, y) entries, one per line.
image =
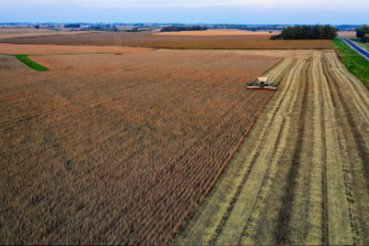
point(188, 11)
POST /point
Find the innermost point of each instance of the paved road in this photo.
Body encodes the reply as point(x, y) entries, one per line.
point(358, 49)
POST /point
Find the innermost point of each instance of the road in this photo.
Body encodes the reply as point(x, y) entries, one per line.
point(358, 49)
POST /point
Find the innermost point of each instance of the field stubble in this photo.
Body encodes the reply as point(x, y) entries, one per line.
point(302, 176)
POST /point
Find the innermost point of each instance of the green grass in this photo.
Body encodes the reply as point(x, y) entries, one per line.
point(354, 62)
point(31, 64)
point(362, 45)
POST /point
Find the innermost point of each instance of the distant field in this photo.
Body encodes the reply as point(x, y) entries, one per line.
point(119, 149)
point(347, 34)
point(33, 49)
point(302, 175)
point(218, 32)
point(148, 39)
point(31, 32)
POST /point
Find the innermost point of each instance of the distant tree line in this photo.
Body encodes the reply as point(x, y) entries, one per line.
point(252, 28)
point(183, 28)
point(72, 26)
point(362, 33)
point(135, 29)
point(308, 32)
point(101, 27)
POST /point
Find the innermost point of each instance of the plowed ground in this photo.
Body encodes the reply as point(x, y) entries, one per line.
point(302, 175)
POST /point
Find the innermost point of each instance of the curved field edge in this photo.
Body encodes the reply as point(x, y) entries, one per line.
point(301, 176)
point(355, 63)
point(30, 63)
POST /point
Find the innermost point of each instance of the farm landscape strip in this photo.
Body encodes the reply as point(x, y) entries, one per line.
point(107, 149)
point(301, 177)
point(148, 40)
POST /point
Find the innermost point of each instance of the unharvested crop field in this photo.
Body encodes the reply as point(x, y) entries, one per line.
point(119, 149)
point(32, 49)
point(32, 32)
point(216, 32)
point(150, 40)
point(347, 34)
point(302, 175)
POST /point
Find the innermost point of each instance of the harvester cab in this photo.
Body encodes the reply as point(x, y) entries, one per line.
point(262, 83)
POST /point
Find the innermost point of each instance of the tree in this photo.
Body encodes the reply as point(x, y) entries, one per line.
point(308, 32)
point(362, 33)
point(183, 28)
point(74, 25)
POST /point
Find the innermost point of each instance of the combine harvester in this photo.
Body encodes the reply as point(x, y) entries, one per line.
point(262, 83)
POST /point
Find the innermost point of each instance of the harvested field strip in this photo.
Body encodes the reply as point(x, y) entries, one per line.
point(31, 64)
point(242, 187)
point(281, 233)
point(217, 213)
point(303, 167)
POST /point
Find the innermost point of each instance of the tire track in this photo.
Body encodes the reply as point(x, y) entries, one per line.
point(281, 113)
point(351, 142)
point(263, 184)
point(325, 232)
point(281, 231)
point(359, 140)
point(309, 196)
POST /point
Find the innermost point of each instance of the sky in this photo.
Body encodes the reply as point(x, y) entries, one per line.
point(187, 11)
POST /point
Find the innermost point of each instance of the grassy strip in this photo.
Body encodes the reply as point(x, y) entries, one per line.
point(354, 62)
point(31, 64)
point(362, 45)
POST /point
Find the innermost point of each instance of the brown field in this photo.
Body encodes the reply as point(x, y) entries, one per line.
point(121, 143)
point(32, 32)
point(217, 32)
point(302, 175)
point(148, 39)
point(32, 49)
point(119, 149)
